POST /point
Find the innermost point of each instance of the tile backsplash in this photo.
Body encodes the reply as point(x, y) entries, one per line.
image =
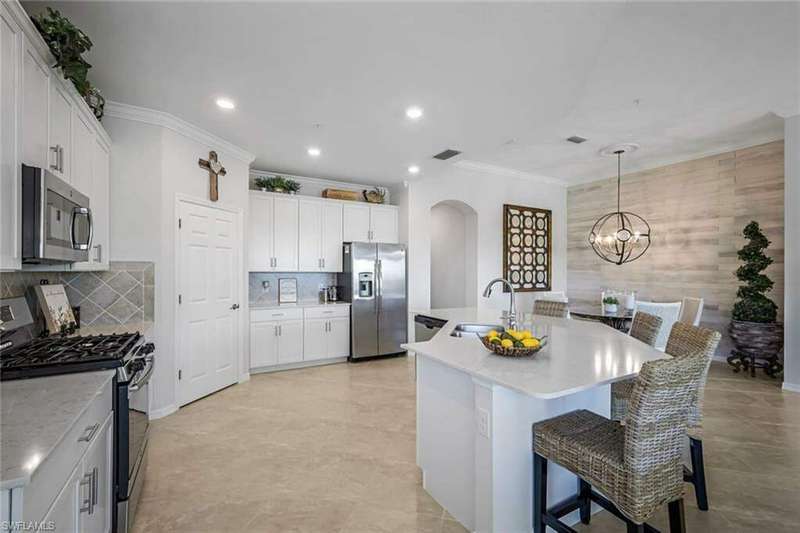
point(308, 284)
point(122, 294)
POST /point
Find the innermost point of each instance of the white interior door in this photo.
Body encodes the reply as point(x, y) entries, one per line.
point(208, 285)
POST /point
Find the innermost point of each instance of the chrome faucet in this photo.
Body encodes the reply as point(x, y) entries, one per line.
point(512, 311)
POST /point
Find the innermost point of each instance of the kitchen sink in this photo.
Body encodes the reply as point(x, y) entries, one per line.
point(462, 330)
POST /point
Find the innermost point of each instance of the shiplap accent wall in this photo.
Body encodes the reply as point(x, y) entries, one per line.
point(697, 210)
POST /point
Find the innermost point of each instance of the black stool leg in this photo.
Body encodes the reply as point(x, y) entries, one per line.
point(584, 493)
point(698, 473)
point(677, 519)
point(539, 492)
point(635, 528)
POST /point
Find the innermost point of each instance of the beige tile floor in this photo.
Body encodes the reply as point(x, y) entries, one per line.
point(331, 449)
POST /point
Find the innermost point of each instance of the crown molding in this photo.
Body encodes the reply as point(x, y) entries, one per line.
point(487, 168)
point(171, 122)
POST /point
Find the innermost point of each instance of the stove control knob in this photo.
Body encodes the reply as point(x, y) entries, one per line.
point(147, 348)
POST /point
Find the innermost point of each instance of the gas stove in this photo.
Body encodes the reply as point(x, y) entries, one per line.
point(63, 355)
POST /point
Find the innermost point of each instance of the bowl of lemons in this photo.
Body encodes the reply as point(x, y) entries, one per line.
point(513, 343)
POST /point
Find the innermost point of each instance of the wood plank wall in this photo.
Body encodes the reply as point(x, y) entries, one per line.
point(697, 210)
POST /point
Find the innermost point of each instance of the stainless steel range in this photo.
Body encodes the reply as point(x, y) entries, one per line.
point(24, 355)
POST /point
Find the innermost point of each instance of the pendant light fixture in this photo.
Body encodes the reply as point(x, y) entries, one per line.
point(620, 237)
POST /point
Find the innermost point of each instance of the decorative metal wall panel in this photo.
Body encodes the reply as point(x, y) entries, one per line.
point(527, 250)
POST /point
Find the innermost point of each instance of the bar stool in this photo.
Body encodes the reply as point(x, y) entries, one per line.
point(645, 327)
point(550, 308)
point(637, 466)
point(685, 340)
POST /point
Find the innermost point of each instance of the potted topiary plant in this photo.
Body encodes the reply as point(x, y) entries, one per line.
point(610, 304)
point(277, 184)
point(757, 335)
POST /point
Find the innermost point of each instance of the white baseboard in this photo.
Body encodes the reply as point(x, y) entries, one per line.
point(295, 366)
point(161, 413)
point(244, 377)
point(791, 387)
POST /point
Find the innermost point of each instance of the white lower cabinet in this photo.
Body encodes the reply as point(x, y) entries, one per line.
point(295, 335)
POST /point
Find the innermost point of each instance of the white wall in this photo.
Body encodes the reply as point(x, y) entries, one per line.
point(150, 166)
point(791, 288)
point(453, 255)
point(485, 193)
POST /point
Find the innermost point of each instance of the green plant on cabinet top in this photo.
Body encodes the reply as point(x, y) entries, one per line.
point(277, 184)
point(67, 43)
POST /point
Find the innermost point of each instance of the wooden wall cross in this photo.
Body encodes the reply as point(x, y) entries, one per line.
point(215, 170)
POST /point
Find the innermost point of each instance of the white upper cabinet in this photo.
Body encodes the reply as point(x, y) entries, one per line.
point(11, 41)
point(272, 233)
point(310, 235)
point(35, 95)
point(332, 222)
point(320, 236)
point(98, 193)
point(356, 223)
point(285, 234)
point(259, 233)
point(60, 132)
point(383, 221)
point(82, 156)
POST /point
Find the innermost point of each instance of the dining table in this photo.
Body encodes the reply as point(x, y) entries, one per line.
point(619, 319)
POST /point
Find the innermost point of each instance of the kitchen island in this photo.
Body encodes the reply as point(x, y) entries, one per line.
point(475, 410)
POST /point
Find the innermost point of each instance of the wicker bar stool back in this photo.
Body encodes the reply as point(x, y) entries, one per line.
point(636, 466)
point(550, 308)
point(645, 327)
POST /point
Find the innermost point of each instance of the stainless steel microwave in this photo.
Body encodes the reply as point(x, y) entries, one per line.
point(56, 219)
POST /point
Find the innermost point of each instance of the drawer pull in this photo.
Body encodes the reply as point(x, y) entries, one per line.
point(89, 432)
point(86, 503)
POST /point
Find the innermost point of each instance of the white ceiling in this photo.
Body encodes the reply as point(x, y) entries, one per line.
point(505, 83)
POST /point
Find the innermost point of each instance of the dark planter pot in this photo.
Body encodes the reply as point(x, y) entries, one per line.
point(756, 345)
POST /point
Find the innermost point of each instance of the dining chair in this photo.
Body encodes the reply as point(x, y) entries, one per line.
point(669, 313)
point(550, 308)
point(645, 327)
point(685, 341)
point(636, 466)
point(691, 310)
point(553, 296)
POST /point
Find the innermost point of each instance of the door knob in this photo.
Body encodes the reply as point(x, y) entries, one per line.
point(235, 307)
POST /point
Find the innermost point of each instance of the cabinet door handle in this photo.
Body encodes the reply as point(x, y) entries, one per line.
point(323, 262)
point(54, 150)
point(276, 330)
point(61, 159)
point(89, 432)
point(280, 330)
point(86, 503)
point(95, 490)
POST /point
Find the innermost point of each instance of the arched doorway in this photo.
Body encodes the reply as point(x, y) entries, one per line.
point(454, 255)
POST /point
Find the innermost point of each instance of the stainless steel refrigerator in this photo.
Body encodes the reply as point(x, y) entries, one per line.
point(374, 282)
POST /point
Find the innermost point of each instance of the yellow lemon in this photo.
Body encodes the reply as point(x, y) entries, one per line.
point(530, 343)
point(492, 333)
point(515, 334)
point(507, 343)
point(527, 335)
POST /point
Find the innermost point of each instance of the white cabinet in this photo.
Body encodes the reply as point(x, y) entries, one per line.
point(276, 337)
point(272, 233)
point(35, 94)
point(82, 155)
point(60, 132)
point(327, 332)
point(383, 221)
point(370, 223)
point(356, 223)
point(11, 41)
point(320, 246)
point(84, 503)
point(98, 201)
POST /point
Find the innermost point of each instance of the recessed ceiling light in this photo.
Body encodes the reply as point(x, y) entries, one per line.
point(413, 169)
point(414, 112)
point(224, 103)
point(314, 151)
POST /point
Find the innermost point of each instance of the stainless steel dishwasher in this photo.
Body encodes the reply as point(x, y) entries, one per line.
point(425, 327)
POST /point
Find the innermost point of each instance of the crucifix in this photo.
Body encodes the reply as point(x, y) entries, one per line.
point(215, 170)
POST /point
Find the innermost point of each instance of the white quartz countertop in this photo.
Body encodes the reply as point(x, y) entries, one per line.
point(37, 414)
point(579, 354)
point(301, 304)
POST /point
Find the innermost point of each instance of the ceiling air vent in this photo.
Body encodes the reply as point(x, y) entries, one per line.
point(576, 139)
point(447, 154)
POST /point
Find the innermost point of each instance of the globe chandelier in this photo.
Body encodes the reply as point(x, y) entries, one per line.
point(620, 237)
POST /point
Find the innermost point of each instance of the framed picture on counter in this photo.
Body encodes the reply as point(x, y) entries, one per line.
point(287, 290)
